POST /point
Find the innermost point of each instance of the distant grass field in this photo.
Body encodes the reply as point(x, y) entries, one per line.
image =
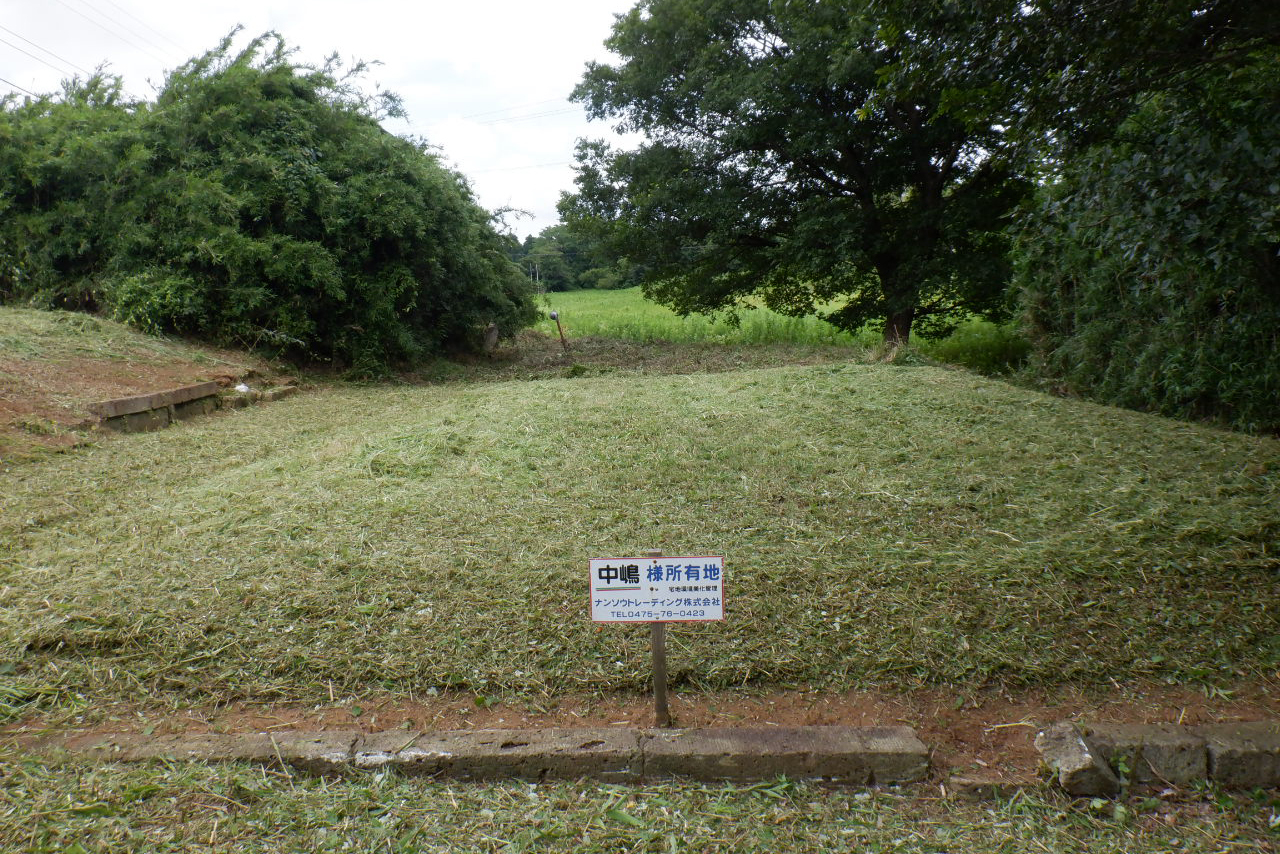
point(627, 315)
point(69, 809)
point(883, 526)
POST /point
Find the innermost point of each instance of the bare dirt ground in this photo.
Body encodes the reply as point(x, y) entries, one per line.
point(44, 404)
point(986, 734)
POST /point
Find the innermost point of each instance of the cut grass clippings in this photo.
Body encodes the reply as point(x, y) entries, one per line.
point(884, 527)
point(62, 807)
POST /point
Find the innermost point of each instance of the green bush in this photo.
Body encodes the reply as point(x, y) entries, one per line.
point(255, 202)
point(1150, 269)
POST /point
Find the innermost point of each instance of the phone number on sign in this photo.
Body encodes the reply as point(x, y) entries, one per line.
point(658, 615)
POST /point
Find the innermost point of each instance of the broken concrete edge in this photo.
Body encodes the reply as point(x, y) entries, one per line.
point(1100, 760)
point(839, 754)
point(155, 411)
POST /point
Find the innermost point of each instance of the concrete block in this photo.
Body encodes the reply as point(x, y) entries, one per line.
point(202, 747)
point(155, 400)
point(856, 755)
point(139, 422)
point(604, 754)
point(320, 753)
point(1080, 770)
point(279, 393)
point(1243, 755)
point(1156, 753)
point(194, 408)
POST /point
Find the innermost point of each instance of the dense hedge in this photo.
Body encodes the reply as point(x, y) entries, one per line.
point(1151, 266)
point(256, 201)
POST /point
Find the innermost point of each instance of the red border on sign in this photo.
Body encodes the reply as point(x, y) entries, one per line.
point(724, 597)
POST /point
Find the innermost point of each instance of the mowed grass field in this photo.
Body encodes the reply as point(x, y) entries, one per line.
point(883, 526)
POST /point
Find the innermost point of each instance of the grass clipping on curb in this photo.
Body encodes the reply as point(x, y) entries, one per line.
point(883, 526)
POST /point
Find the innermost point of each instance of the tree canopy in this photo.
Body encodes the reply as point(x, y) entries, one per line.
point(256, 201)
point(562, 258)
point(777, 164)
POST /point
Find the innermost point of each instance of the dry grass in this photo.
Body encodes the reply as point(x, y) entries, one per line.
point(884, 526)
point(69, 808)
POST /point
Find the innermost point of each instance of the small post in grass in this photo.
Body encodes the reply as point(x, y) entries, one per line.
point(555, 315)
point(658, 645)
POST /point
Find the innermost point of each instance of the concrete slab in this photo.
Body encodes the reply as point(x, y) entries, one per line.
point(1243, 755)
point(1155, 753)
point(611, 755)
point(155, 400)
point(856, 755)
point(319, 753)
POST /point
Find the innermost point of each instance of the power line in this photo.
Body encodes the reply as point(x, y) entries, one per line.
point(148, 26)
point(513, 109)
point(19, 88)
point(36, 58)
point(532, 116)
point(45, 49)
point(531, 166)
point(130, 30)
point(105, 29)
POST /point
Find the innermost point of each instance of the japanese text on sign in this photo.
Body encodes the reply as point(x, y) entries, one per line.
point(657, 590)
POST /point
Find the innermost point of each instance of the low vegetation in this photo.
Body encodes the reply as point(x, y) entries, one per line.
point(69, 808)
point(626, 315)
point(256, 202)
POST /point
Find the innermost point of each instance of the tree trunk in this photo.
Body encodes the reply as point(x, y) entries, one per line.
point(897, 327)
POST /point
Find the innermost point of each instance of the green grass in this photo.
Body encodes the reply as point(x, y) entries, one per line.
point(30, 334)
point(884, 526)
point(627, 315)
point(72, 809)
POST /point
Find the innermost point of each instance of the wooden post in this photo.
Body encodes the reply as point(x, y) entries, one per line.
point(658, 644)
point(555, 315)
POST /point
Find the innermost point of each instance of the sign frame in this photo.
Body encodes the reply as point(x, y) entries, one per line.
point(646, 563)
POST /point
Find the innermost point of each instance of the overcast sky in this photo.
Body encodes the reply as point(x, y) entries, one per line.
point(486, 80)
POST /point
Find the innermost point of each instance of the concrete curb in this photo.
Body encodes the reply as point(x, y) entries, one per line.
point(1092, 759)
point(851, 755)
point(157, 410)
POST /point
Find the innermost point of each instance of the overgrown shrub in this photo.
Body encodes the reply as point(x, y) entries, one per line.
point(258, 202)
point(1151, 266)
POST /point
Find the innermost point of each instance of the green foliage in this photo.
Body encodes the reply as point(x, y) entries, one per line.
point(778, 164)
point(1151, 265)
point(258, 202)
point(563, 258)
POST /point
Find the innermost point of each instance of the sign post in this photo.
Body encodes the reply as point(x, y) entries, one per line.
point(658, 646)
point(657, 590)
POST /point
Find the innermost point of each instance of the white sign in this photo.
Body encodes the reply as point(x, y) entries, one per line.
point(657, 590)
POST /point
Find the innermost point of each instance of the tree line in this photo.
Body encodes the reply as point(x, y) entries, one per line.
point(1104, 169)
point(256, 201)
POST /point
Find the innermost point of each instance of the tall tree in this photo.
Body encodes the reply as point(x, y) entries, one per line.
point(778, 164)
